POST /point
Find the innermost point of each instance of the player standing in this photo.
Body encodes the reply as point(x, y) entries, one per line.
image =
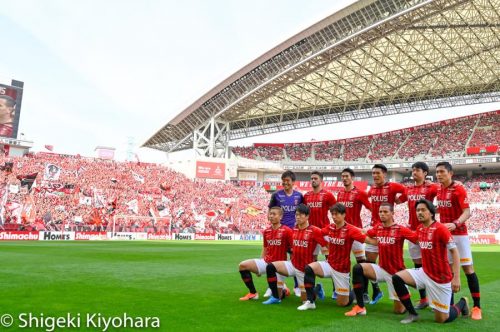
point(341, 236)
point(420, 189)
point(305, 239)
point(287, 199)
point(435, 241)
point(277, 240)
point(390, 237)
point(353, 200)
point(454, 211)
point(381, 192)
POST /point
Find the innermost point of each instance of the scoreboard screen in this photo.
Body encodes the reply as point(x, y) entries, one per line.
point(11, 94)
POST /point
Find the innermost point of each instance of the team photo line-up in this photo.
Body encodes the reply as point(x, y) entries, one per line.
point(300, 230)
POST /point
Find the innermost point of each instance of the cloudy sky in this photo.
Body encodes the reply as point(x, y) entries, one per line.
point(112, 72)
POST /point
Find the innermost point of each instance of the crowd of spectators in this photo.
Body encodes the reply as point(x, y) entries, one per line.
point(96, 194)
point(441, 139)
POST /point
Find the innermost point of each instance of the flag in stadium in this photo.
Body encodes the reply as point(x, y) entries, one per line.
point(49, 147)
point(52, 172)
point(137, 177)
point(28, 180)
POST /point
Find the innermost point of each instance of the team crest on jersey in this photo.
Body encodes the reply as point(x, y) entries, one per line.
point(429, 236)
point(392, 232)
point(296, 201)
point(306, 235)
point(385, 191)
point(448, 195)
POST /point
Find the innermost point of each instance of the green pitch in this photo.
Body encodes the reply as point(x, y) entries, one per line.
point(193, 286)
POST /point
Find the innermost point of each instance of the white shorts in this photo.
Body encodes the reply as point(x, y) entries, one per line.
point(371, 248)
point(383, 276)
point(261, 267)
point(439, 294)
point(414, 250)
point(464, 251)
point(293, 272)
point(340, 280)
point(358, 249)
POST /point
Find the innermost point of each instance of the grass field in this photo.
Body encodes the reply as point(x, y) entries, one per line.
point(192, 286)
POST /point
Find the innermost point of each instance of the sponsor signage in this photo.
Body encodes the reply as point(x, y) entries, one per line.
point(90, 236)
point(183, 236)
point(204, 236)
point(210, 170)
point(127, 236)
point(19, 236)
point(224, 237)
point(154, 236)
point(56, 236)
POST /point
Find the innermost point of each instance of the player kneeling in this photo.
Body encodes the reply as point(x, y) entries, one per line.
point(435, 275)
point(305, 239)
point(340, 237)
point(277, 241)
point(390, 238)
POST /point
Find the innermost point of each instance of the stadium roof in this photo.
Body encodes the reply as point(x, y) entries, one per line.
point(373, 58)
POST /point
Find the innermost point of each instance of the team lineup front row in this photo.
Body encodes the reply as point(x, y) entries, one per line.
point(438, 248)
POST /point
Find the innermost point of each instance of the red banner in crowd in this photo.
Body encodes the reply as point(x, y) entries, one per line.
point(483, 239)
point(482, 149)
point(210, 170)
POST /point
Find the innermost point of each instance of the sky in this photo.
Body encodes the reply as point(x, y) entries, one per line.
point(111, 73)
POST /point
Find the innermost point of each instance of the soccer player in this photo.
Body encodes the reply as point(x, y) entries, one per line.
point(287, 199)
point(353, 200)
point(435, 275)
point(341, 236)
point(453, 208)
point(305, 239)
point(277, 241)
point(381, 192)
point(319, 202)
point(420, 189)
point(390, 237)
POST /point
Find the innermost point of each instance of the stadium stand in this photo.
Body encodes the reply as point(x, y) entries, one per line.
point(444, 139)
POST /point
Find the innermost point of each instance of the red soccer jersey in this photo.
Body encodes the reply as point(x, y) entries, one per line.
point(433, 241)
point(276, 243)
point(340, 243)
point(415, 193)
point(319, 204)
point(452, 200)
point(384, 194)
point(390, 245)
point(353, 200)
point(304, 243)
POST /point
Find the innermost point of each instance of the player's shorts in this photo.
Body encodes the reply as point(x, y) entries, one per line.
point(293, 272)
point(340, 280)
point(414, 250)
point(464, 251)
point(383, 276)
point(371, 248)
point(261, 267)
point(439, 294)
point(358, 249)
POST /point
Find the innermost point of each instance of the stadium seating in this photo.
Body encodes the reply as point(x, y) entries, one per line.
point(442, 139)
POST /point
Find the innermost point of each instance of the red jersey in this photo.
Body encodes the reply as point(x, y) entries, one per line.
point(385, 194)
point(353, 200)
point(340, 243)
point(304, 243)
point(319, 204)
point(415, 193)
point(390, 245)
point(276, 243)
point(433, 241)
point(452, 200)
